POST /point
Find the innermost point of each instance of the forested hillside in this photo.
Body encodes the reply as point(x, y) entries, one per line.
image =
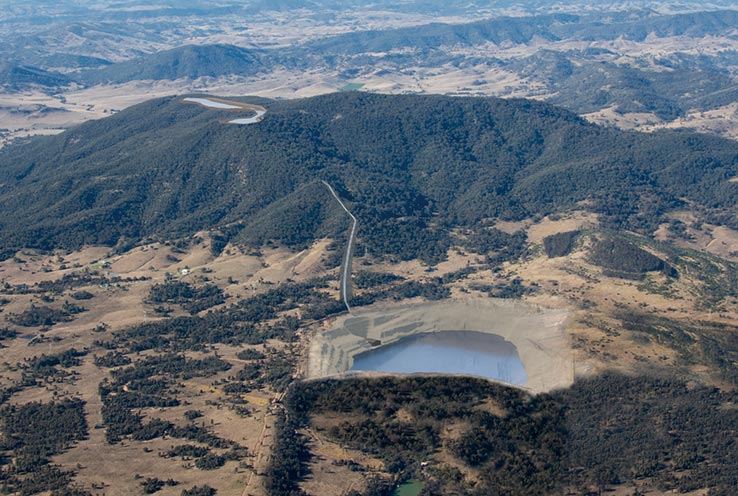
point(187, 61)
point(410, 167)
point(16, 77)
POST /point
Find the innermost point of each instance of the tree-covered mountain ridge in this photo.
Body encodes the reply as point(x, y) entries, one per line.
point(411, 168)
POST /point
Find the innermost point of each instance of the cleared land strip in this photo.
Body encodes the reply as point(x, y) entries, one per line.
point(346, 272)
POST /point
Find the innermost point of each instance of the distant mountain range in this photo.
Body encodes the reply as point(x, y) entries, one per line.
point(583, 83)
point(413, 168)
point(585, 79)
point(211, 60)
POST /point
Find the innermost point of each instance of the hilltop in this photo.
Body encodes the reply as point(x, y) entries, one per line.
point(18, 77)
point(413, 168)
point(188, 61)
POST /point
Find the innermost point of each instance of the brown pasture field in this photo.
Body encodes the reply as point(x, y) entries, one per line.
point(119, 469)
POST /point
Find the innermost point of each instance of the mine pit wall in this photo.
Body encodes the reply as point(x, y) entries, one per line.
point(537, 333)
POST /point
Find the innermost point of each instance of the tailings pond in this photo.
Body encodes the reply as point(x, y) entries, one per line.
point(448, 352)
point(504, 340)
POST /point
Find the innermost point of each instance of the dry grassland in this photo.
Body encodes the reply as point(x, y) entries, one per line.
point(118, 469)
point(573, 331)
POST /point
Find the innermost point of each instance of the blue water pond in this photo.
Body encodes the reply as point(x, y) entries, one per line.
point(448, 352)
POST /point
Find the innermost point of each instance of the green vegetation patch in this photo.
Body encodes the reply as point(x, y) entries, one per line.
point(600, 433)
point(7, 334)
point(289, 458)
point(499, 246)
point(410, 488)
point(560, 244)
point(621, 258)
point(40, 369)
point(204, 490)
point(32, 433)
point(146, 384)
point(37, 316)
point(69, 282)
point(252, 321)
point(194, 299)
point(364, 279)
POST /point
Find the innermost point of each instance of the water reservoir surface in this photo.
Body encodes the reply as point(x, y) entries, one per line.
point(448, 352)
point(409, 488)
point(206, 102)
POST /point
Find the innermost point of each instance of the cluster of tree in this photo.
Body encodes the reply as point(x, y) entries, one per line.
point(717, 277)
point(248, 322)
point(210, 461)
point(499, 246)
point(188, 61)
point(432, 289)
point(203, 490)
point(560, 244)
point(68, 282)
point(606, 25)
point(47, 478)
point(31, 434)
point(309, 213)
point(204, 458)
point(363, 279)
point(504, 289)
point(601, 432)
point(370, 408)
point(72, 308)
point(250, 354)
point(7, 334)
point(37, 316)
point(187, 451)
point(146, 384)
point(112, 359)
point(658, 428)
point(402, 239)
point(45, 368)
point(290, 455)
point(585, 83)
point(276, 371)
point(696, 342)
point(151, 485)
point(622, 258)
point(194, 299)
point(82, 295)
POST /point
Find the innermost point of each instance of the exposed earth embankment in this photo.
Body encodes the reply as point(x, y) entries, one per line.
point(537, 333)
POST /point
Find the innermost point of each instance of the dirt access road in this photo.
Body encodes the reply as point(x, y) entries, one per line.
point(346, 271)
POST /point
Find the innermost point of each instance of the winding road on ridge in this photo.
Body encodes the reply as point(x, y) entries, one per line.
point(346, 271)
